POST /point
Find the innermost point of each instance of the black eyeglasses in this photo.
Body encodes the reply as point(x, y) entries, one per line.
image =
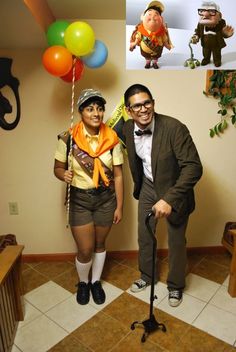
point(211, 12)
point(137, 107)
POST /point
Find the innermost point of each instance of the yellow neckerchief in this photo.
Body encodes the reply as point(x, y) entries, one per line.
point(107, 139)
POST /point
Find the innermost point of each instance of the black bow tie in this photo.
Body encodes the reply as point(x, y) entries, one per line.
point(212, 29)
point(141, 132)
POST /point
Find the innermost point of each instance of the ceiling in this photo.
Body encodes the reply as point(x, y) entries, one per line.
point(19, 29)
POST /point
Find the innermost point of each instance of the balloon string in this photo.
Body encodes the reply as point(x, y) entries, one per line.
point(70, 136)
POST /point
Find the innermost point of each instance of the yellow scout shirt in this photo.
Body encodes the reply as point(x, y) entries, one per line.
point(80, 178)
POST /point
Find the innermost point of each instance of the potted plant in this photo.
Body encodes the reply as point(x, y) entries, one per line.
point(222, 86)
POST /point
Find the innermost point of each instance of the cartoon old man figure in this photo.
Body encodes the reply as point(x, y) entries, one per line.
point(211, 30)
point(151, 34)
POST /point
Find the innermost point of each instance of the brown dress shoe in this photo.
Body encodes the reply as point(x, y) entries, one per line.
point(205, 62)
point(154, 65)
point(217, 63)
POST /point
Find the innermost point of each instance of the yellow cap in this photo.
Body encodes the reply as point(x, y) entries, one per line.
point(155, 4)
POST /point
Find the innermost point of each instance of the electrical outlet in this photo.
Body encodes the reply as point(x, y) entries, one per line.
point(13, 208)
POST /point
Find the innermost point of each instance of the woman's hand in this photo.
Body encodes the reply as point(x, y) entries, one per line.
point(61, 172)
point(117, 216)
point(68, 176)
point(119, 190)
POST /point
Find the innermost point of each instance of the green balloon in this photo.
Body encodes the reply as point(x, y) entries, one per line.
point(55, 33)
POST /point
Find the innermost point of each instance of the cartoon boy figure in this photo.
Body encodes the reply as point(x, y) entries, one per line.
point(151, 34)
point(211, 30)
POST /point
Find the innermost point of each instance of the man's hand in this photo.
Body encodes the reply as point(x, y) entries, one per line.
point(194, 39)
point(161, 209)
point(228, 31)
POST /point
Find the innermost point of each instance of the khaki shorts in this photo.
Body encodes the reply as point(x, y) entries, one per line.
point(92, 206)
point(155, 55)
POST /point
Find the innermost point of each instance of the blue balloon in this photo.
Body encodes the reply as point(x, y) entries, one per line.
point(98, 56)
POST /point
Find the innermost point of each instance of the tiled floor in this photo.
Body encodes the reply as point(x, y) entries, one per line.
point(204, 322)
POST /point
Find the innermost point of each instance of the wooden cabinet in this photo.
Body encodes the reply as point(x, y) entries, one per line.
point(229, 242)
point(11, 295)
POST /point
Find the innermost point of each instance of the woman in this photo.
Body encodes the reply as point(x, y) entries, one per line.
point(96, 192)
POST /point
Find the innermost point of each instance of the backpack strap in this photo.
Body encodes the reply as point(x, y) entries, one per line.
point(66, 136)
point(133, 35)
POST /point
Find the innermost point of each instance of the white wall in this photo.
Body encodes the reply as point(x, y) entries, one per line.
point(178, 13)
point(27, 152)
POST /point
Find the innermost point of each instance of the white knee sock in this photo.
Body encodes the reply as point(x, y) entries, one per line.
point(98, 264)
point(83, 270)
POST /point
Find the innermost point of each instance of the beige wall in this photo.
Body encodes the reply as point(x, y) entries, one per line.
point(27, 152)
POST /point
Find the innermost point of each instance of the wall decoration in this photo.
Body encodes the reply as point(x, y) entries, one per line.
point(6, 79)
point(151, 34)
point(211, 32)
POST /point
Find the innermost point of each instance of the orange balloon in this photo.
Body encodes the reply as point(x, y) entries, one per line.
point(57, 60)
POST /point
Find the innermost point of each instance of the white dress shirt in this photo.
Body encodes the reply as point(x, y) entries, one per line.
point(143, 148)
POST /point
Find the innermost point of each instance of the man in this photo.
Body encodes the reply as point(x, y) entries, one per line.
point(211, 30)
point(165, 166)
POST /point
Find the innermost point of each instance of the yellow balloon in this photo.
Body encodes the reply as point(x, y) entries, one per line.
point(79, 38)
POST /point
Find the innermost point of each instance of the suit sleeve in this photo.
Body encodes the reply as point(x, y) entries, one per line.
point(189, 164)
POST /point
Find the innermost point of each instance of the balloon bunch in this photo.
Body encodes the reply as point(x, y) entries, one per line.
point(72, 41)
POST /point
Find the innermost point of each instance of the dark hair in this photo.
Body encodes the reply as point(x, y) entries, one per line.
point(158, 9)
point(135, 89)
point(92, 100)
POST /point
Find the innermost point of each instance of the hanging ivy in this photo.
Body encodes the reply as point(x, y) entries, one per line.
point(222, 86)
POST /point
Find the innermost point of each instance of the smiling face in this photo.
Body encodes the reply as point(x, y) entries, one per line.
point(141, 109)
point(152, 20)
point(92, 117)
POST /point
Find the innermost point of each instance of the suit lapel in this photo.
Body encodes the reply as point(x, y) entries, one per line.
point(130, 142)
point(130, 135)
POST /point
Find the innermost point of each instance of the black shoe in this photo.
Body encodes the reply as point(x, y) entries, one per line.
point(98, 293)
point(83, 293)
point(148, 65)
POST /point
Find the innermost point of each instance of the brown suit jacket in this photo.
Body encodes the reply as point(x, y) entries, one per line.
point(176, 166)
point(217, 29)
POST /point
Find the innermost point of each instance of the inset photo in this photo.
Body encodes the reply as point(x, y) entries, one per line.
point(173, 34)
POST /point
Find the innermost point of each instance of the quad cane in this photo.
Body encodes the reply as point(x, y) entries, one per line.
point(191, 62)
point(150, 324)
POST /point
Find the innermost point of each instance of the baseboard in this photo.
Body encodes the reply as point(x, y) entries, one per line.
point(61, 257)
